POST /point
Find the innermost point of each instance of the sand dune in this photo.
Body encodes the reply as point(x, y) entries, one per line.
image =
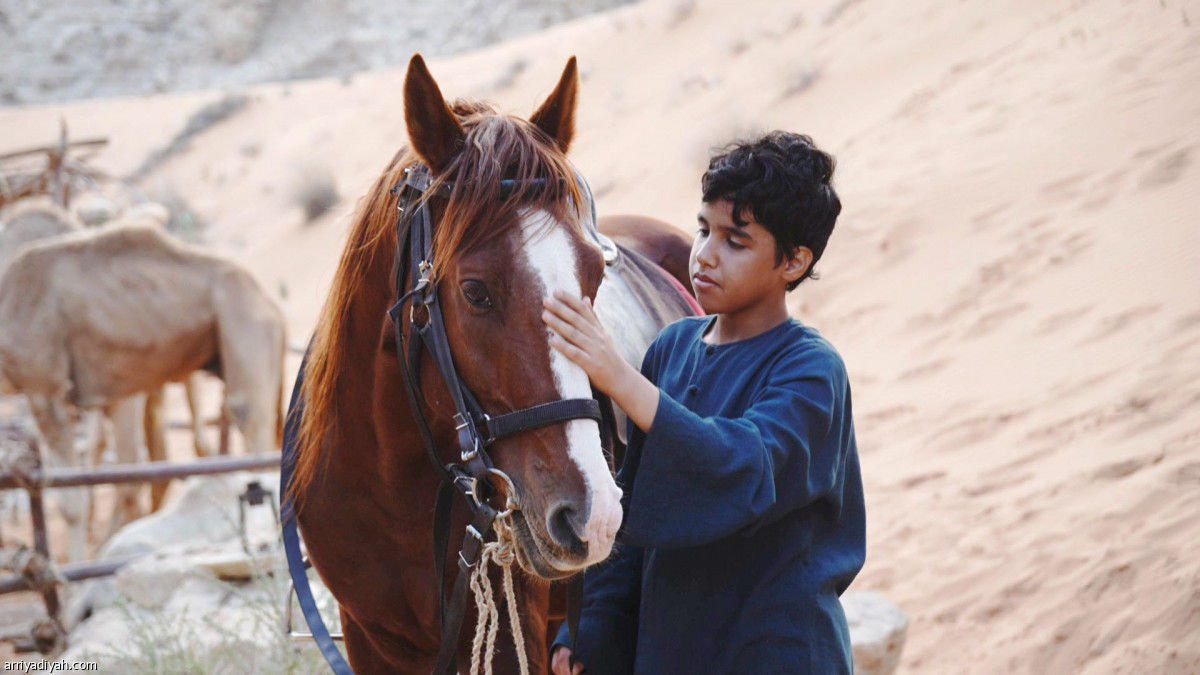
point(1013, 282)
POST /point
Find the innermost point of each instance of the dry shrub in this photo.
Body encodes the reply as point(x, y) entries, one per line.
point(315, 191)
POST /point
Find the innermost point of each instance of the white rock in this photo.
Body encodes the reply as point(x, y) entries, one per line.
point(94, 209)
point(877, 632)
point(204, 518)
point(153, 580)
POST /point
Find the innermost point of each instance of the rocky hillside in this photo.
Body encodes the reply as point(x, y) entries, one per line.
point(57, 50)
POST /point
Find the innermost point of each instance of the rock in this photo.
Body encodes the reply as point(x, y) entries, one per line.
point(233, 563)
point(151, 213)
point(195, 601)
point(140, 46)
point(152, 581)
point(176, 616)
point(94, 209)
point(877, 632)
point(203, 520)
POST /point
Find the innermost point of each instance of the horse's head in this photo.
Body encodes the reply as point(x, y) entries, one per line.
point(508, 233)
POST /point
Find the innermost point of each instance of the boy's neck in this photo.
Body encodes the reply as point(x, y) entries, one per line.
point(747, 322)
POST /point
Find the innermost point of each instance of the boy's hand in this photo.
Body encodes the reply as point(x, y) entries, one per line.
point(560, 663)
point(579, 335)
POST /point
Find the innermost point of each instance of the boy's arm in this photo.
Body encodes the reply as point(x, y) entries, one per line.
point(608, 624)
point(704, 478)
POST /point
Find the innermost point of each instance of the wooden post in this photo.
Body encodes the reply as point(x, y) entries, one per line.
point(41, 541)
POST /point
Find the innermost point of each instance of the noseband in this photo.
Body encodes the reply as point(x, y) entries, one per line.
point(475, 428)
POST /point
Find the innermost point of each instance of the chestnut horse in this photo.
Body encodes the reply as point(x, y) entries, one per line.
point(363, 486)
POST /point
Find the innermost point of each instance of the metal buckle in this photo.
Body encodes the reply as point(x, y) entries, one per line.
point(472, 491)
point(486, 419)
point(510, 500)
point(463, 422)
point(472, 453)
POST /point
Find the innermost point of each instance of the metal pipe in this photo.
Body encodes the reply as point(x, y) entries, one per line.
point(142, 473)
point(70, 572)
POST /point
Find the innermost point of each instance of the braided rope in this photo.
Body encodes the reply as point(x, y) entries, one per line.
point(503, 552)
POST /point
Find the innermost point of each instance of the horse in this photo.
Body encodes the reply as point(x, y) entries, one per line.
point(510, 225)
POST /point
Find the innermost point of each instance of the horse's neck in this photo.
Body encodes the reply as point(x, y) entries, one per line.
point(374, 435)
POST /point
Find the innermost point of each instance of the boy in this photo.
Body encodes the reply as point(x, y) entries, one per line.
point(744, 516)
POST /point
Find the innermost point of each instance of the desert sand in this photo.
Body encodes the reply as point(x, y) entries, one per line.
point(1014, 282)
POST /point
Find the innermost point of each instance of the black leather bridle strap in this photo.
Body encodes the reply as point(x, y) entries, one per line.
point(540, 416)
point(468, 557)
point(574, 610)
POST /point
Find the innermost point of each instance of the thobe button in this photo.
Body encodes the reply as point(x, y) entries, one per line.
point(692, 390)
point(709, 349)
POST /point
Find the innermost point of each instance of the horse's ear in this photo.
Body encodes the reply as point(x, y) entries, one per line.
point(556, 117)
point(433, 129)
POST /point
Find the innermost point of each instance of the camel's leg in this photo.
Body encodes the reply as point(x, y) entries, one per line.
point(191, 386)
point(252, 344)
point(156, 443)
point(126, 417)
point(254, 416)
point(54, 421)
point(91, 434)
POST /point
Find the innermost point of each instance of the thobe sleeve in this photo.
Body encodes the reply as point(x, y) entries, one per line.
point(701, 479)
point(608, 623)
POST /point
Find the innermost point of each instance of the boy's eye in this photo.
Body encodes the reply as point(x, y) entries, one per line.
point(735, 246)
point(703, 232)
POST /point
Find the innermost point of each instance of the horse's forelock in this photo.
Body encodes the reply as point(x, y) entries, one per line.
point(497, 148)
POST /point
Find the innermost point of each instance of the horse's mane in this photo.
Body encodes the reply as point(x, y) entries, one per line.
point(496, 147)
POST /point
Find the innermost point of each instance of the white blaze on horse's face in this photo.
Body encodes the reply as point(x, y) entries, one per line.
point(553, 260)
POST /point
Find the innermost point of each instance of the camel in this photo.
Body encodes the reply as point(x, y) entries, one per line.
point(136, 421)
point(92, 318)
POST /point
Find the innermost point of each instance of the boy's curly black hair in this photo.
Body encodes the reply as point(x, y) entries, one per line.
point(782, 181)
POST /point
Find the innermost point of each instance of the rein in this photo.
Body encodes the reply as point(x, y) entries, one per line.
point(475, 430)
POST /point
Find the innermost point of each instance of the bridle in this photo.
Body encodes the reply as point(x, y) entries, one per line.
point(475, 429)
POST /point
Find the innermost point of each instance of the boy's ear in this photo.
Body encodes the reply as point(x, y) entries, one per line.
point(795, 266)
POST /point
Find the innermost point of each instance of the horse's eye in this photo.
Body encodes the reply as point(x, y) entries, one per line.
point(476, 293)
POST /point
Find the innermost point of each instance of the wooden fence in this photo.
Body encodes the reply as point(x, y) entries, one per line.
point(34, 569)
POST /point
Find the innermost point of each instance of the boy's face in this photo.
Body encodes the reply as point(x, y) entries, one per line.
point(733, 268)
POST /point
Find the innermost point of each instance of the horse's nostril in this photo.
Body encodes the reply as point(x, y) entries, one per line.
point(566, 525)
